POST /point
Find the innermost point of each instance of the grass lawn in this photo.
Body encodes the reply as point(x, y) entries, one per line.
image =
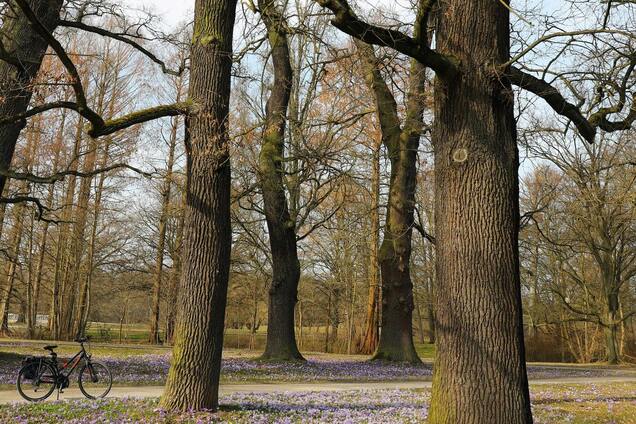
point(605, 403)
point(426, 351)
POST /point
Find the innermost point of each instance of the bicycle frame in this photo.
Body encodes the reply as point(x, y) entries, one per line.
point(74, 361)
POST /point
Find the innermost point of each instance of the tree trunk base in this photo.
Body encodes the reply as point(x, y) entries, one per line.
point(287, 355)
point(397, 355)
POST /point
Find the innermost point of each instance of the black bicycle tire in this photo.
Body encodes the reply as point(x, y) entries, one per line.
point(110, 382)
point(28, 398)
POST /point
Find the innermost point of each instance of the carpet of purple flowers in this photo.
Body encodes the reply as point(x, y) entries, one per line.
point(152, 369)
point(614, 403)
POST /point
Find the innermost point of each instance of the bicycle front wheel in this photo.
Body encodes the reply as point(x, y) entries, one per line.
point(95, 380)
point(36, 381)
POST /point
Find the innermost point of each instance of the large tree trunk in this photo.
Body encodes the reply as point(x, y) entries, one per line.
point(193, 380)
point(401, 142)
point(161, 244)
point(26, 50)
point(480, 371)
point(281, 337)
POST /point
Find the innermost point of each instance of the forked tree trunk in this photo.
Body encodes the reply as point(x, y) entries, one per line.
point(193, 380)
point(281, 337)
point(401, 142)
point(26, 49)
point(480, 371)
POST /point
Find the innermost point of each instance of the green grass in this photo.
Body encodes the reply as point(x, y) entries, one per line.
point(426, 351)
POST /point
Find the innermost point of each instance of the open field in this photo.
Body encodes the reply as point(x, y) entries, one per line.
point(572, 403)
point(130, 334)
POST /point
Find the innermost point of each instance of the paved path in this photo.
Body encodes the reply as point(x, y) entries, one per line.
point(7, 396)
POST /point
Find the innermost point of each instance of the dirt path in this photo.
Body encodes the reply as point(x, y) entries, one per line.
point(8, 396)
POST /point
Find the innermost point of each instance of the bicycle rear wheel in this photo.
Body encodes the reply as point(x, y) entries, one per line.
point(95, 380)
point(36, 381)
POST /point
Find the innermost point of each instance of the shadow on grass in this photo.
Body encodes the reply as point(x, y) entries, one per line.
point(6, 357)
point(585, 399)
point(302, 408)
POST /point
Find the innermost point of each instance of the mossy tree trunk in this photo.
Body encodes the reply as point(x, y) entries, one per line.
point(281, 337)
point(480, 371)
point(401, 142)
point(193, 379)
point(20, 60)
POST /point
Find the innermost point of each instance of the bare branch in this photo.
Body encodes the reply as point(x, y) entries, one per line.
point(103, 32)
point(54, 178)
point(552, 96)
point(345, 19)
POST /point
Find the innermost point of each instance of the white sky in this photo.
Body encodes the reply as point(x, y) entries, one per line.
point(170, 11)
point(175, 11)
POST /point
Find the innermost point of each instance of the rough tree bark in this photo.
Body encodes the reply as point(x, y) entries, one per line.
point(281, 337)
point(193, 380)
point(480, 371)
point(401, 142)
point(21, 54)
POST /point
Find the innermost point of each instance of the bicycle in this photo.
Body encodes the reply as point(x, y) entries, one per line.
point(43, 375)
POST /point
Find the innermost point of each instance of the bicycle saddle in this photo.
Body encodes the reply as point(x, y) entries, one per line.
point(50, 347)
